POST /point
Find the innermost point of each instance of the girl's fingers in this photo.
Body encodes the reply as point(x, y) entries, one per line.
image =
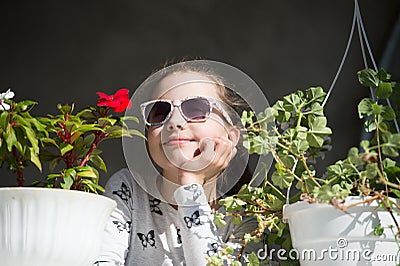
point(205, 157)
point(207, 150)
point(224, 151)
point(215, 155)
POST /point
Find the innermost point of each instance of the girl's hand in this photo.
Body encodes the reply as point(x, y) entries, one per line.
point(214, 156)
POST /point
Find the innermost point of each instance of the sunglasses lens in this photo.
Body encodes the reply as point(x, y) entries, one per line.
point(196, 109)
point(157, 112)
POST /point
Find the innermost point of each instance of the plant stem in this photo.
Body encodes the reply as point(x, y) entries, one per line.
point(379, 152)
point(96, 141)
point(276, 157)
point(20, 175)
point(20, 178)
point(275, 189)
point(389, 209)
point(304, 162)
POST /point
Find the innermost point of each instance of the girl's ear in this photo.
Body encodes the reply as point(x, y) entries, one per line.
point(234, 135)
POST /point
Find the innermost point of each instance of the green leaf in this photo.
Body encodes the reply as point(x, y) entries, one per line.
point(365, 107)
point(32, 138)
point(88, 139)
point(219, 219)
point(34, 158)
point(283, 180)
point(98, 162)
point(89, 127)
point(318, 124)
point(65, 147)
point(354, 157)
point(86, 114)
point(132, 133)
point(364, 144)
point(65, 109)
point(268, 116)
point(50, 141)
point(369, 125)
point(68, 181)
point(87, 171)
point(318, 131)
point(376, 109)
point(130, 118)
point(232, 204)
point(291, 102)
point(252, 260)
point(114, 132)
point(382, 75)
point(317, 109)
point(70, 172)
point(387, 163)
point(50, 177)
point(396, 192)
point(370, 171)
point(10, 137)
point(300, 146)
point(3, 120)
point(367, 78)
point(316, 94)
point(314, 140)
point(378, 230)
point(246, 118)
point(98, 187)
point(237, 220)
point(23, 106)
point(390, 148)
point(53, 163)
point(388, 113)
point(384, 90)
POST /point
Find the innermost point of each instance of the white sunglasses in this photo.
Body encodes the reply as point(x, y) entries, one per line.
point(192, 109)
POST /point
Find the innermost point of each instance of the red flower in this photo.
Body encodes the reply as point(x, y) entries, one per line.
point(119, 101)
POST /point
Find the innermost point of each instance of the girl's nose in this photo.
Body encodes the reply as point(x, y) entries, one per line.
point(176, 121)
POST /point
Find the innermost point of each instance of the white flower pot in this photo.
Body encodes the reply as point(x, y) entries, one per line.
point(51, 227)
point(324, 235)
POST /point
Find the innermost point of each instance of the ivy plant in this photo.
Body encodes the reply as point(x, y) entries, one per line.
point(295, 131)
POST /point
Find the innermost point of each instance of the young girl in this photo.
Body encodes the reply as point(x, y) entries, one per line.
point(193, 134)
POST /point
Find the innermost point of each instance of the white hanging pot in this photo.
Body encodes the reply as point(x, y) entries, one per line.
point(324, 235)
point(51, 227)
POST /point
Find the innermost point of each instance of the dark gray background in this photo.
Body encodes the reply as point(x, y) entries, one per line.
point(64, 51)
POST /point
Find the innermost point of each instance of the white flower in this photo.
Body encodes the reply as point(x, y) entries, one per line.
point(6, 95)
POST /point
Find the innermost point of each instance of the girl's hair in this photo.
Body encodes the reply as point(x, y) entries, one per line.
point(228, 96)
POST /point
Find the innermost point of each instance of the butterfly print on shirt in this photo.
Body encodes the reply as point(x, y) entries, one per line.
point(193, 220)
point(123, 193)
point(213, 250)
point(154, 206)
point(179, 237)
point(147, 240)
point(195, 189)
point(123, 226)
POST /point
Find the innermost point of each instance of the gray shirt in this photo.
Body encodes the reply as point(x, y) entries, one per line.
point(144, 230)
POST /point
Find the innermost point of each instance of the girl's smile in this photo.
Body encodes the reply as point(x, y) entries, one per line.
point(178, 140)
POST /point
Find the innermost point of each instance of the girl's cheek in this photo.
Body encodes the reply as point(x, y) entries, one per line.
point(153, 134)
point(212, 131)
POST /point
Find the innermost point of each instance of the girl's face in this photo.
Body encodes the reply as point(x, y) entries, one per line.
point(177, 141)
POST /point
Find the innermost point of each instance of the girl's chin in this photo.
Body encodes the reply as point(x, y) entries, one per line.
point(179, 158)
point(183, 153)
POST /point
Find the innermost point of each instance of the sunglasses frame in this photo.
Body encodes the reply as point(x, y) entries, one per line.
point(178, 103)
